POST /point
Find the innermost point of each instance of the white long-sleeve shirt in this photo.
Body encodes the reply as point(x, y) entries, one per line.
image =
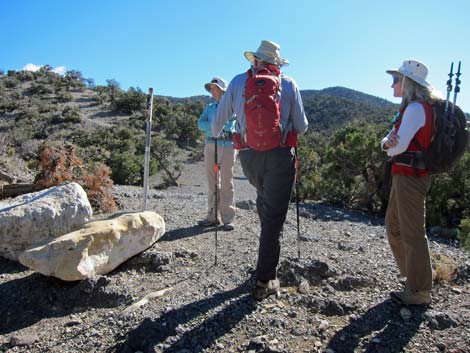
point(414, 118)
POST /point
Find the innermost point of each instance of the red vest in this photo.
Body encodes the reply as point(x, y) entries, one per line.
point(423, 136)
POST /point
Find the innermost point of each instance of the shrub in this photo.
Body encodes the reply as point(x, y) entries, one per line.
point(127, 168)
point(464, 236)
point(64, 97)
point(11, 82)
point(39, 89)
point(60, 164)
point(444, 268)
point(71, 114)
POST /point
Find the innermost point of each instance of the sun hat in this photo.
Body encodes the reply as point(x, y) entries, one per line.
point(216, 81)
point(269, 52)
point(414, 70)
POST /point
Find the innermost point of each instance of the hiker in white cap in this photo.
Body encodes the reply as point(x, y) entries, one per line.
point(405, 216)
point(270, 169)
point(225, 158)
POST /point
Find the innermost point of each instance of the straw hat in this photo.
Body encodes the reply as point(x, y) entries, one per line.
point(414, 70)
point(269, 52)
point(216, 81)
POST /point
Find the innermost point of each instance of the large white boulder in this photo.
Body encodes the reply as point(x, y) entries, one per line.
point(97, 248)
point(42, 215)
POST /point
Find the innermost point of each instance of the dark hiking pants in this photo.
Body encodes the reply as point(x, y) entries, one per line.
point(272, 173)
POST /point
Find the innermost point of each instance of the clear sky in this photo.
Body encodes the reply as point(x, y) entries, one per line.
point(176, 46)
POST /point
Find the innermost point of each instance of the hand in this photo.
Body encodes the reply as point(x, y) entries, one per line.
point(392, 141)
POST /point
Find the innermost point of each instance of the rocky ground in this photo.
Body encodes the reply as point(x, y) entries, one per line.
point(335, 298)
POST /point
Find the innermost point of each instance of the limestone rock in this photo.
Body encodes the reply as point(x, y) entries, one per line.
point(97, 248)
point(41, 216)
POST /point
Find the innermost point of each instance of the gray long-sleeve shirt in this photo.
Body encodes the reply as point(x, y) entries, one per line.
point(233, 101)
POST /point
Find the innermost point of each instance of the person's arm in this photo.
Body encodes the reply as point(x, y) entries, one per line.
point(224, 111)
point(299, 119)
point(203, 123)
point(413, 119)
point(391, 140)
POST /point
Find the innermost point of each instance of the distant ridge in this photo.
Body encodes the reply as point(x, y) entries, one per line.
point(351, 94)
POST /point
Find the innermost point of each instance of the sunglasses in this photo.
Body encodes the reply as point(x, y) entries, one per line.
point(396, 79)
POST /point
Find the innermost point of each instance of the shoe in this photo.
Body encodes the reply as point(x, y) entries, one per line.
point(229, 226)
point(409, 297)
point(208, 223)
point(265, 289)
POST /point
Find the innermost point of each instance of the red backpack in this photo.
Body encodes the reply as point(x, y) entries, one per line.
point(262, 108)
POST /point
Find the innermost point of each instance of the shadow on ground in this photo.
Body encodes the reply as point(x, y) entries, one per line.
point(28, 300)
point(390, 333)
point(168, 329)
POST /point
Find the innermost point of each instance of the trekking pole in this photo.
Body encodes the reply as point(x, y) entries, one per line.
point(216, 192)
point(449, 85)
point(148, 124)
point(457, 87)
point(297, 200)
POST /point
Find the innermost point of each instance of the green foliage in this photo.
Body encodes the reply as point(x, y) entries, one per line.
point(352, 171)
point(127, 168)
point(131, 101)
point(11, 81)
point(464, 236)
point(39, 89)
point(446, 202)
point(165, 153)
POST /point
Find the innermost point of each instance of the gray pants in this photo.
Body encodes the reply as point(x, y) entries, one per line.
point(405, 224)
point(272, 173)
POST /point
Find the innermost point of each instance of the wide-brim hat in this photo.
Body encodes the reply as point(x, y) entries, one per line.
point(216, 81)
point(269, 52)
point(414, 70)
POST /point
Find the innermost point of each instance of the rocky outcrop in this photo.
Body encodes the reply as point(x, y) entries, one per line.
point(97, 248)
point(41, 216)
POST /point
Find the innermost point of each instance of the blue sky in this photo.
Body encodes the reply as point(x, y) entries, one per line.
point(177, 46)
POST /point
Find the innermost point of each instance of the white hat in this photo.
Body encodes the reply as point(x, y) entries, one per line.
point(269, 52)
point(216, 81)
point(414, 70)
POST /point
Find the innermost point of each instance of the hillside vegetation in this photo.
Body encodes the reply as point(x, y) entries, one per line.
point(340, 159)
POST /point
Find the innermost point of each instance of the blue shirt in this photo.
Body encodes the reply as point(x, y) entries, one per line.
point(233, 101)
point(204, 124)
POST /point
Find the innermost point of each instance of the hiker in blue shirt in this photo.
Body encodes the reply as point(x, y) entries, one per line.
point(225, 159)
point(271, 171)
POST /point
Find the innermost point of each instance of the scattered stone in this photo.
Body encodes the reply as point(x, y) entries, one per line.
point(23, 340)
point(304, 287)
point(405, 314)
point(439, 320)
point(349, 283)
point(323, 325)
point(246, 205)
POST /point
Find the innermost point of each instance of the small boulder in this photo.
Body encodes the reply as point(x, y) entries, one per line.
point(97, 248)
point(41, 216)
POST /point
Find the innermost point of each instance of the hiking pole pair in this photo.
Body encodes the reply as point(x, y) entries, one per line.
point(148, 125)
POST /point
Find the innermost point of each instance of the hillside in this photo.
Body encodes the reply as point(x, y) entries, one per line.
point(44, 106)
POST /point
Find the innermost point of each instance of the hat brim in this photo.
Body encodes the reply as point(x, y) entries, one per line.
point(250, 56)
point(418, 80)
point(208, 85)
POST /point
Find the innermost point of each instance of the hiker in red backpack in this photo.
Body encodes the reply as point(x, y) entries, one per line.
point(225, 159)
point(405, 216)
point(270, 115)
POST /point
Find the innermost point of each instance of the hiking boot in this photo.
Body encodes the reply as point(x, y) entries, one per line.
point(409, 297)
point(208, 223)
point(229, 226)
point(265, 289)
